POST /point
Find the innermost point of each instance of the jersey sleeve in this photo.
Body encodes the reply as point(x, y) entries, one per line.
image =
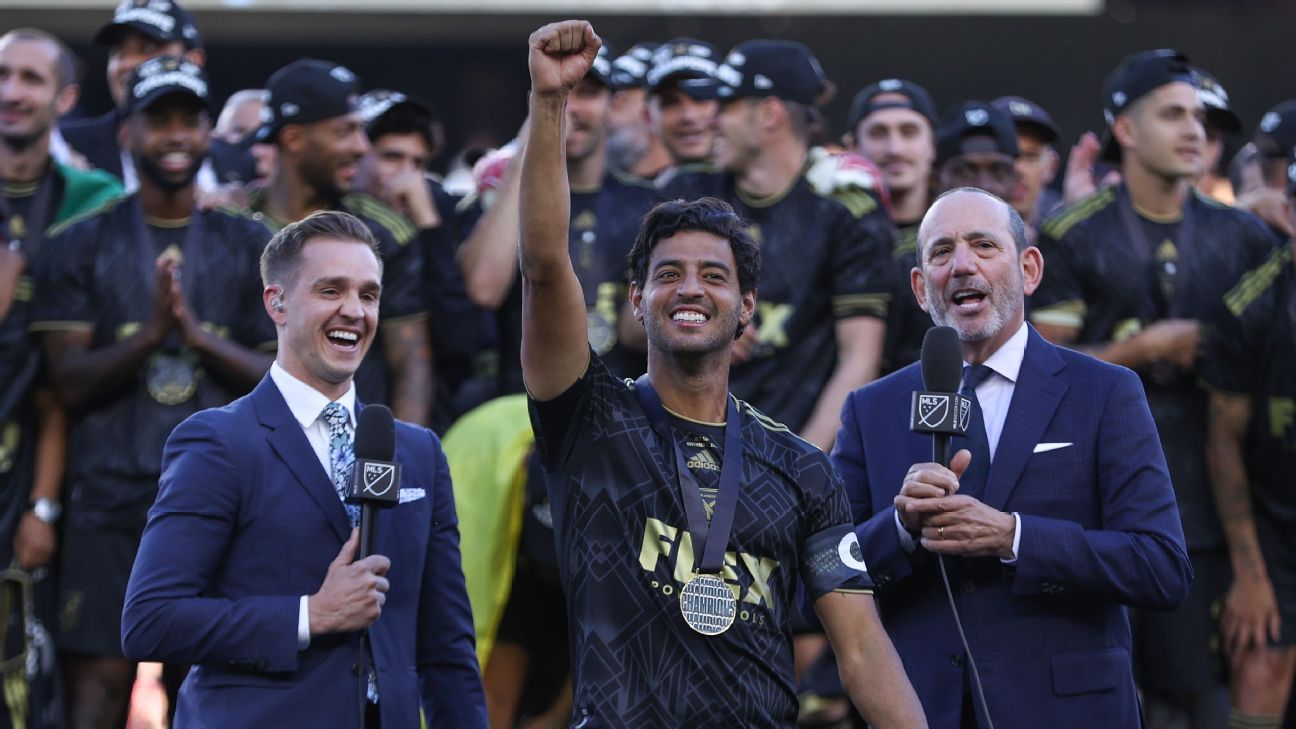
point(402, 278)
point(567, 425)
point(1235, 334)
point(831, 558)
point(1059, 300)
point(862, 282)
point(64, 283)
point(256, 330)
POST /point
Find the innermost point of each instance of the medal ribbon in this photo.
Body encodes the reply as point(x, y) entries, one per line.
point(713, 537)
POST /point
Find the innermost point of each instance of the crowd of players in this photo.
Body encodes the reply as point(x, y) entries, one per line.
point(130, 298)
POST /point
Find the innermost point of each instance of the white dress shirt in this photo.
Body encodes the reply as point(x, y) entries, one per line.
point(994, 394)
point(307, 405)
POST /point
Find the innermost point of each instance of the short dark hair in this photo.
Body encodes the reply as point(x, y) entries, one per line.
point(66, 67)
point(282, 254)
point(706, 214)
point(409, 119)
point(1016, 226)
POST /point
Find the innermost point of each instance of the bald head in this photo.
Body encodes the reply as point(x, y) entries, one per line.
point(961, 200)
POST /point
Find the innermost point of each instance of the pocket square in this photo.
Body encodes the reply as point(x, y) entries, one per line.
point(413, 494)
point(1039, 448)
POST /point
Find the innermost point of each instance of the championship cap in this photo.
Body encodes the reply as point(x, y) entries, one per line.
point(163, 76)
point(1219, 113)
point(162, 20)
point(307, 91)
point(601, 69)
point(1279, 123)
point(375, 104)
point(686, 58)
point(759, 68)
point(630, 69)
point(1135, 77)
point(974, 118)
point(1026, 113)
point(912, 96)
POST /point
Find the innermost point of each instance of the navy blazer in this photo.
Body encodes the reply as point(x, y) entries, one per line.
point(1099, 530)
point(246, 521)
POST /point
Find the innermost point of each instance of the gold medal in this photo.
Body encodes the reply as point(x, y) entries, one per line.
point(171, 379)
point(708, 605)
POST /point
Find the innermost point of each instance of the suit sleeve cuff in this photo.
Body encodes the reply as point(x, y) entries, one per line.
point(1016, 540)
point(303, 623)
point(906, 539)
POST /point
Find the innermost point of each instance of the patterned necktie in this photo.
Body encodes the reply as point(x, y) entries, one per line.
point(974, 478)
point(341, 453)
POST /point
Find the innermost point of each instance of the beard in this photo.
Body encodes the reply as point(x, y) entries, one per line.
point(1003, 307)
point(166, 180)
point(320, 175)
point(626, 146)
point(661, 338)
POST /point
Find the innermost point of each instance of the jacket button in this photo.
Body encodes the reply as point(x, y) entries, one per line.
point(956, 659)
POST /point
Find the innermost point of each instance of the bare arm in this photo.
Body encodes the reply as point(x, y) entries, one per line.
point(35, 541)
point(408, 351)
point(555, 350)
point(1251, 609)
point(870, 669)
point(1173, 340)
point(488, 256)
point(859, 354)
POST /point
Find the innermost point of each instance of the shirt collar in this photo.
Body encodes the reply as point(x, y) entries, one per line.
point(1007, 360)
point(305, 402)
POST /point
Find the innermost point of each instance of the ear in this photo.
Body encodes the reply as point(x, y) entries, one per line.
point(918, 283)
point(1124, 131)
point(66, 99)
point(272, 299)
point(748, 309)
point(197, 56)
point(292, 139)
point(636, 301)
point(1032, 267)
point(771, 113)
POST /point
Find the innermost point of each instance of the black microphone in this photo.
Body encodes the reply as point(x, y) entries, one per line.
point(940, 410)
point(375, 476)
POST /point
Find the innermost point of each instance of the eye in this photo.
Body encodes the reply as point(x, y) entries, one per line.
point(664, 274)
point(369, 297)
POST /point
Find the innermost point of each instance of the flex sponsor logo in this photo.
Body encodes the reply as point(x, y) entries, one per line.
point(748, 576)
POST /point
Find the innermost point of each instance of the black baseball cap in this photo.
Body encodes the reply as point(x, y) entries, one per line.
point(681, 58)
point(375, 104)
point(1216, 100)
point(163, 76)
point(1135, 77)
point(913, 96)
point(630, 69)
point(306, 91)
point(1026, 113)
point(162, 20)
point(974, 118)
point(1279, 123)
point(601, 69)
point(759, 68)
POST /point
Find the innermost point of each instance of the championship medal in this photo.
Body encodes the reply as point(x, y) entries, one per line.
point(171, 379)
point(708, 605)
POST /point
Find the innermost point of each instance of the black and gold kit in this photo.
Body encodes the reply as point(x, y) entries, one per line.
point(907, 323)
point(97, 276)
point(601, 232)
point(625, 550)
point(403, 294)
point(1251, 352)
point(823, 259)
point(1110, 270)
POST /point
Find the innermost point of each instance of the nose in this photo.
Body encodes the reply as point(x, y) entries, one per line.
point(690, 286)
point(352, 307)
point(964, 261)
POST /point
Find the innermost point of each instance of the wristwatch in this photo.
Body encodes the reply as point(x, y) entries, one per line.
point(47, 510)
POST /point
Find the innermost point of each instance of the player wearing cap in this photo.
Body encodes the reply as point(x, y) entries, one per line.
point(1038, 161)
point(1260, 170)
point(1247, 365)
point(681, 115)
point(1221, 122)
point(893, 123)
point(633, 145)
point(657, 640)
point(1132, 272)
point(827, 282)
point(315, 122)
point(149, 311)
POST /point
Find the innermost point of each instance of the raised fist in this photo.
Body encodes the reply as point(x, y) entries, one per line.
point(560, 56)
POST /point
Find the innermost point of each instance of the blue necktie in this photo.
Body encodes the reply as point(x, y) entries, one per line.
point(974, 478)
point(341, 453)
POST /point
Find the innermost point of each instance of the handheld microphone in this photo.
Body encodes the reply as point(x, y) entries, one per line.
point(375, 476)
point(940, 410)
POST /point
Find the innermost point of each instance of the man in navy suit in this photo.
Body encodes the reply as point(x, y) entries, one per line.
point(1055, 511)
point(246, 569)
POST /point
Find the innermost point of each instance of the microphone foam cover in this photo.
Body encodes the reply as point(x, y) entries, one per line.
point(375, 436)
point(942, 360)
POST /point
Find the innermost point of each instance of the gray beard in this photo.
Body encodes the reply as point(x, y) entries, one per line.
point(1001, 312)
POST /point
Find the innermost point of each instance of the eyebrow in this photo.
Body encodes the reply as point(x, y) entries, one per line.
point(679, 263)
point(343, 281)
point(970, 235)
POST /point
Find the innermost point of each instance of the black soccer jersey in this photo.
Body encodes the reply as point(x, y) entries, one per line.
point(907, 323)
point(822, 259)
point(624, 552)
point(1251, 351)
point(601, 232)
point(98, 276)
point(1110, 271)
point(403, 296)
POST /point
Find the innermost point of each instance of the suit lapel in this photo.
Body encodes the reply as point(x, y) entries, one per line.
point(289, 441)
point(1035, 399)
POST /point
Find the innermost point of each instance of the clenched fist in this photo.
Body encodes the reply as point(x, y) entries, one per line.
point(560, 56)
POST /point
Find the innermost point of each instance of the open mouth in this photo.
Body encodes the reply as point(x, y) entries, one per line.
point(968, 299)
point(176, 161)
point(343, 339)
point(689, 318)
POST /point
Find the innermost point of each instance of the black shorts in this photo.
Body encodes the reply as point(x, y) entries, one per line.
point(94, 570)
point(1180, 650)
point(1278, 545)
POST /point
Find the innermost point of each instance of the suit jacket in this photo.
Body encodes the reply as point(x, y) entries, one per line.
point(1099, 530)
point(246, 521)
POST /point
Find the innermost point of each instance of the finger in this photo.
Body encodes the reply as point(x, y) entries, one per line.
point(377, 564)
point(937, 476)
point(381, 584)
point(381, 599)
point(959, 463)
point(916, 490)
point(932, 506)
point(347, 554)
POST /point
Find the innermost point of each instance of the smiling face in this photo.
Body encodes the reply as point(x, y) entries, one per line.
point(169, 140)
point(30, 97)
point(684, 124)
point(327, 312)
point(691, 302)
point(971, 276)
point(327, 153)
point(900, 142)
point(1164, 132)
